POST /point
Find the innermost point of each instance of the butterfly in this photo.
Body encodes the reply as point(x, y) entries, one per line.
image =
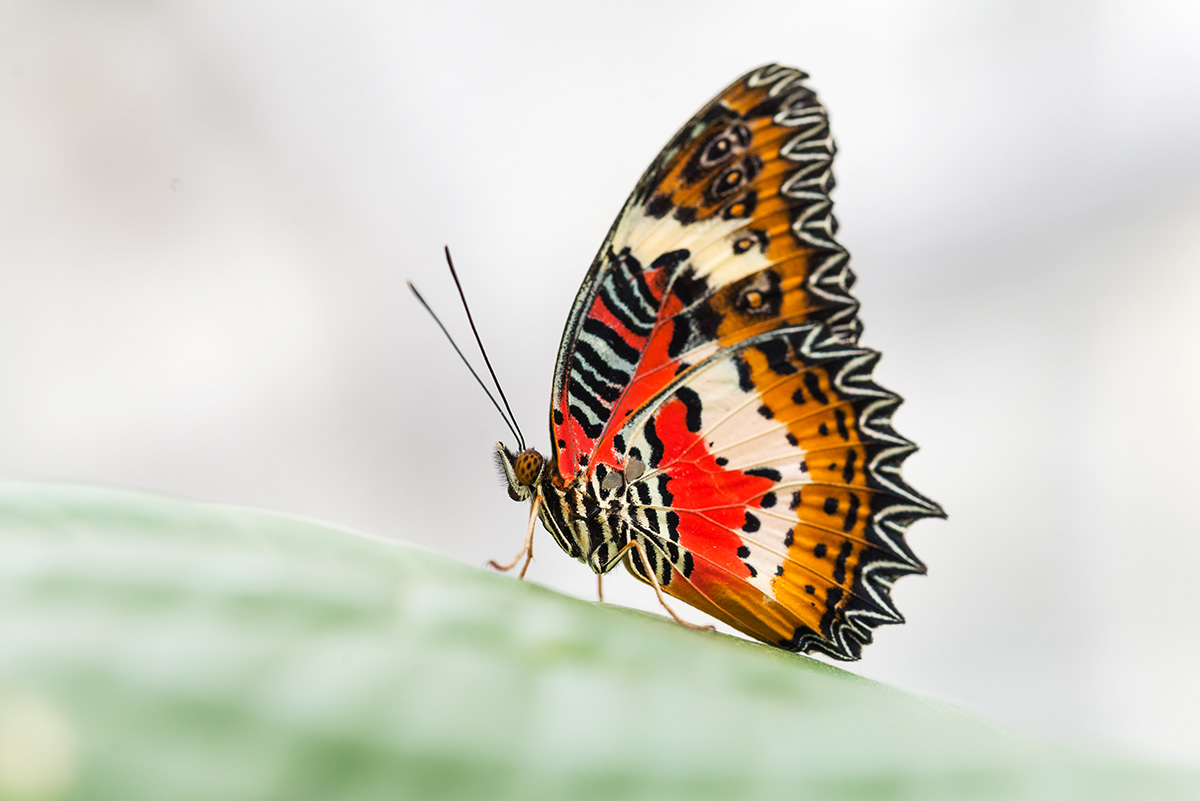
point(715, 424)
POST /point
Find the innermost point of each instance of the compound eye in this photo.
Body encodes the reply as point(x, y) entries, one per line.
point(527, 466)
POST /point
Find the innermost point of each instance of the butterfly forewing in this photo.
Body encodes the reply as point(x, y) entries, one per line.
point(727, 234)
point(714, 340)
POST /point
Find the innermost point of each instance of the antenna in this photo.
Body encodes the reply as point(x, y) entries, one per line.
point(478, 341)
point(510, 419)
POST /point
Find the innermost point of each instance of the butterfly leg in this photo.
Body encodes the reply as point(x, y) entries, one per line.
point(635, 546)
point(600, 587)
point(527, 548)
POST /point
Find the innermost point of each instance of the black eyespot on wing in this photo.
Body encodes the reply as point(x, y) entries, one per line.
point(726, 183)
point(721, 146)
point(751, 238)
point(742, 207)
point(762, 296)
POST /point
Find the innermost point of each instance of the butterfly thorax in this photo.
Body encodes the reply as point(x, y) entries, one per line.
point(593, 514)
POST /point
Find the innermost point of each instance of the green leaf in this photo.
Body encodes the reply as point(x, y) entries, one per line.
point(160, 649)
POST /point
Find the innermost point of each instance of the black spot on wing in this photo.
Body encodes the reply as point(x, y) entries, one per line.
point(671, 259)
point(656, 444)
point(686, 214)
point(707, 322)
point(651, 555)
point(745, 383)
point(840, 416)
point(769, 473)
point(681, 333)
point(839, 567)
point(777, 355)
point(692, 403)
point(664, 491)
point(694, 328)
point(848, 470)
point(851, 514)
point(658, 206)
point(688, 287)
point(814, 388)
point(833, 597)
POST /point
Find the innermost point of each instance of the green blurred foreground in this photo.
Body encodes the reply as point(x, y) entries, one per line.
point(159, 649)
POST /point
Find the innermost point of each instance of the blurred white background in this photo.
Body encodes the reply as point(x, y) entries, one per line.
point(208, 211)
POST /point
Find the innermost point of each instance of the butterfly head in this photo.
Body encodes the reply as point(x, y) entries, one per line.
point(522, 470)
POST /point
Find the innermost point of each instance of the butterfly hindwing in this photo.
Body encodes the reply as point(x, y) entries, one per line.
point(778, 462)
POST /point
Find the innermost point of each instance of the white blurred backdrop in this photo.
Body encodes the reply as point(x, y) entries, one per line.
point(208, 210)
